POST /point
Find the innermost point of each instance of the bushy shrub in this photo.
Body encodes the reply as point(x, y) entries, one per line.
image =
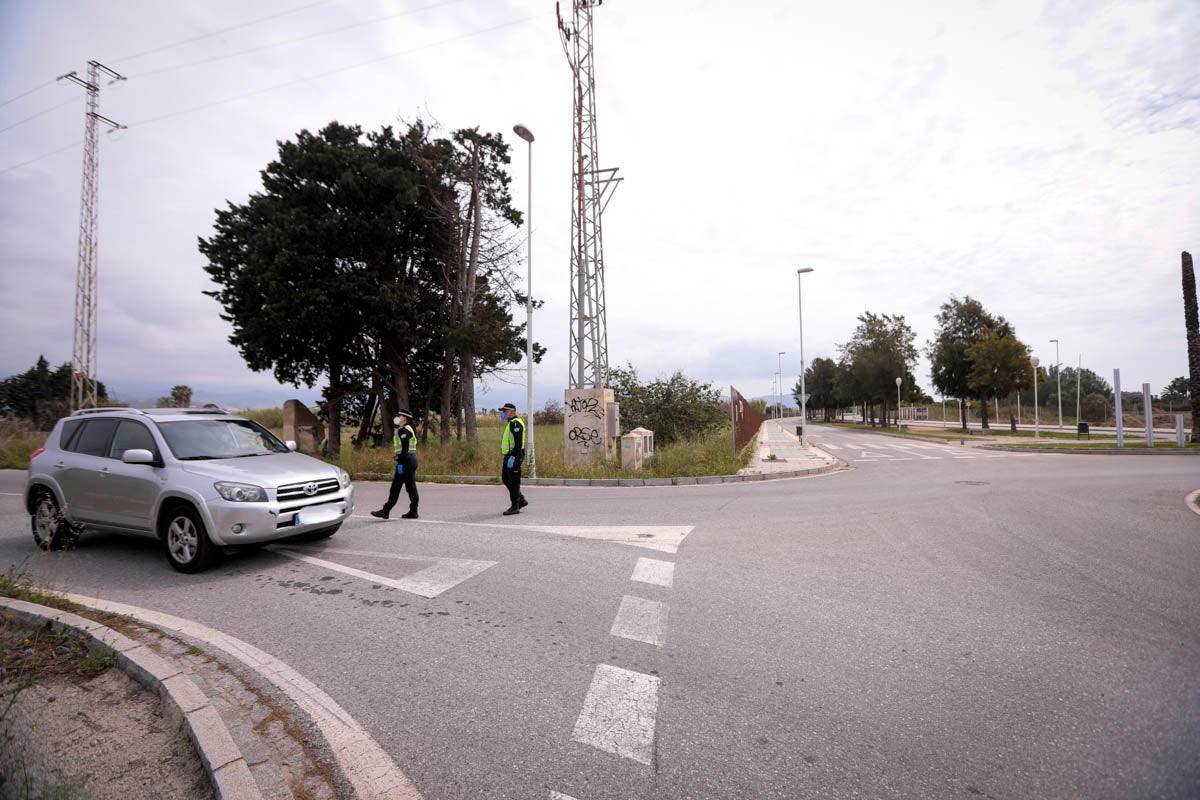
point(675, 408)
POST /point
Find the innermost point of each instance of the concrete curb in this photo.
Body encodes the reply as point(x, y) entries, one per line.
point(1160, 450)
point(182, 699)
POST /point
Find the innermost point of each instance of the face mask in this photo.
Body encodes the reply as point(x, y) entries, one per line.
point(396, 421)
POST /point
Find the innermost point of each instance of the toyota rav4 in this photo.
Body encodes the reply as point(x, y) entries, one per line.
point(199, 480)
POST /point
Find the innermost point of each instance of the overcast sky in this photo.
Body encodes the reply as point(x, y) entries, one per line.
point(1042, 157)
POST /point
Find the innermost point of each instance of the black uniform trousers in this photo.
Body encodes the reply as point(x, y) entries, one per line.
point(511, 477)
point(407, 479)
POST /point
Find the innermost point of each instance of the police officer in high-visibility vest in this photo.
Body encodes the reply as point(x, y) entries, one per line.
point(404, 443)
point(512, 450)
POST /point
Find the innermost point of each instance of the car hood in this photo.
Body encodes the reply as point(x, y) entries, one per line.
point(276, 469)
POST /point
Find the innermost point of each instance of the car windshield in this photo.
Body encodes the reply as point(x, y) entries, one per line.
point(193, 440)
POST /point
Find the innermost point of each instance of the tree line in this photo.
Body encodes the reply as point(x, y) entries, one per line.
point(975, 356)
point(383, 261)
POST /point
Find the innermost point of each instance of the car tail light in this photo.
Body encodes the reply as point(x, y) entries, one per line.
point(36, 453)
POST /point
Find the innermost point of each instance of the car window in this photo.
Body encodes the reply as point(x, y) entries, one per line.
point(94, 438)
point(70, 432)
point(219, 438)
point(132, 435)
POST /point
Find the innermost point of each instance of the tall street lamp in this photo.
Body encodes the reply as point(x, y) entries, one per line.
point(803, 392)
point(898, 382)
point(1036, 431)
point(527, 135)
point(779, 365)
point(1058, 380)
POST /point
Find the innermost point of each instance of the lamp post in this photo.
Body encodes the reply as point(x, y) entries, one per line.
point(779, 366)
point(1058, 380)
point(1036, 430)
point(527, 135)
point(803, 393)
point(898, 382)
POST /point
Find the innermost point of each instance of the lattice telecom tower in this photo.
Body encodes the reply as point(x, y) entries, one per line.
point(83, 372)
point(591, 191)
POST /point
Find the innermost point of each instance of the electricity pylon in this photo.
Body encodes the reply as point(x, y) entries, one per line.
point(592, 188)
point(83, 366)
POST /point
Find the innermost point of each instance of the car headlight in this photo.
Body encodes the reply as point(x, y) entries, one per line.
point(344, 478)
point(241, 492)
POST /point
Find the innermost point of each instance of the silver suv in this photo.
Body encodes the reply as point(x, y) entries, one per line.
point(196, 479)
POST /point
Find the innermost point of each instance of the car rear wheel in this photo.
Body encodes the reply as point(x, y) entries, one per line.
point(50, 530)
point(185, 541)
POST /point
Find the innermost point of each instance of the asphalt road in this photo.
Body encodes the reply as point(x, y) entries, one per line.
point(935, 622)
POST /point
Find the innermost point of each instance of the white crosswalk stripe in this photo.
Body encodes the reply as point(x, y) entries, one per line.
point(641, 620)
point(651, 570)
point(619, 713)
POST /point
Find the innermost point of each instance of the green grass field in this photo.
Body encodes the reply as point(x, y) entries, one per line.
point(706, 455)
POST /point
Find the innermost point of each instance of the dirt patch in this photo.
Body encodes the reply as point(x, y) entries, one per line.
point(67, 733)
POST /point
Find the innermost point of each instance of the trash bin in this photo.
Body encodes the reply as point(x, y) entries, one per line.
point(1081, 429)
point(799, 431)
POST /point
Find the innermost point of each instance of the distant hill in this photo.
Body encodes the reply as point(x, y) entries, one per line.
point(144, 394)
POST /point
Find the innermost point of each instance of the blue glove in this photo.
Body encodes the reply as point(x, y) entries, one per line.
point(510, 462)
point(399, 469)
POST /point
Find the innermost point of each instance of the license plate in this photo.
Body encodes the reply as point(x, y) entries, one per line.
point(315, 516)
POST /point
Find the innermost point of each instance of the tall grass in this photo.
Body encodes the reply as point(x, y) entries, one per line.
point(18, 440)
point(710, 454)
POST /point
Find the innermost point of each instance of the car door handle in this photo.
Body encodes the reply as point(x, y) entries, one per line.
point(104, 472)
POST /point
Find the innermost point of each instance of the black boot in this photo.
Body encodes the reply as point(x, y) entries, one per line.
point(523, 502)
point(516, 509)
point(412, 514)
point(381, 513)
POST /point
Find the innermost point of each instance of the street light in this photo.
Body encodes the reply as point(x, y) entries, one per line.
point(1058, 380)
point(527, 135)
point(898, 382)
point(1036, 430)
point(803, 393)
point(779, 365)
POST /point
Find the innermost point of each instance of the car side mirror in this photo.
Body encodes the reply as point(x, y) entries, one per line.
point(139, 455)
point(291, 445)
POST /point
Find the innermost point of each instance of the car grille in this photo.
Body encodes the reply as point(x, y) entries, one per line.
point(296, 491)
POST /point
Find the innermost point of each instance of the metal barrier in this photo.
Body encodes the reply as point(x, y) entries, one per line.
point(746, 420)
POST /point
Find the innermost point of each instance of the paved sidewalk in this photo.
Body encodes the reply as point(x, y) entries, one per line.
point(778, 438)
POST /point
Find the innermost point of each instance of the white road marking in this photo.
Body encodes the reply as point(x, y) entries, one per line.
point(445, 574)
point(664, 538)
point(560, 796)
point(831, 446)
point(651, 570)
point(368, 768)
point(619, 713)
point(641, 620)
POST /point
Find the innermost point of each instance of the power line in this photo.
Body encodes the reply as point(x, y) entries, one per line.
point(329, 72)
point(306, 37)
point(38, 114)
point(23, 94)
point(264, 90)
point(211, 34)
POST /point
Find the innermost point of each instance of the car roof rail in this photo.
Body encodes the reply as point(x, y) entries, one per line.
point(107, 410)
point(210, 411)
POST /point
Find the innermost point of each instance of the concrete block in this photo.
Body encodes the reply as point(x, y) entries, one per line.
point(604, 482)
point(576, 482)
point(213, 743)
point(658, 481)
point(180, 690)
point(632, 482)
point(146, 667)
point(732, 478)
point(683, 481)
point(107, 637)
point(757, 476)
point(234, 782)
point(709, 479)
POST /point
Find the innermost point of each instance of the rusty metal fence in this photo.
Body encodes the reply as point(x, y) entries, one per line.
point(746, 419)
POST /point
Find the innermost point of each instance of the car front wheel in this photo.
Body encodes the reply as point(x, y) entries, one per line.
point(186, 542)
point(50, 530)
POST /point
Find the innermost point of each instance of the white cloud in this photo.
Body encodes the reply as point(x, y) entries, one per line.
point(1040, 156)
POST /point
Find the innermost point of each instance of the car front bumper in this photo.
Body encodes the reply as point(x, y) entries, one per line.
point(232, 524)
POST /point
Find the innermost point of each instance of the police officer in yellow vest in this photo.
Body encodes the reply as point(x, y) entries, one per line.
point(404, 443)
point(512, 450)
